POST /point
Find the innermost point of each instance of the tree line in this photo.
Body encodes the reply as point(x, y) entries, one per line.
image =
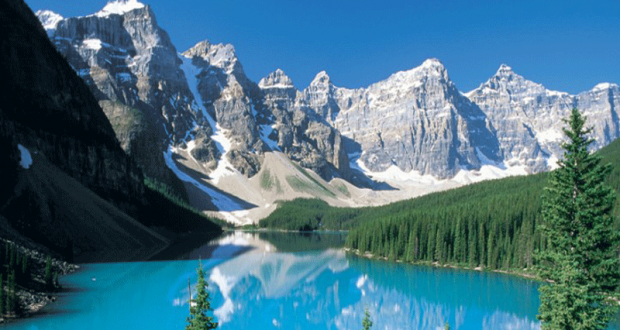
point(19, 270)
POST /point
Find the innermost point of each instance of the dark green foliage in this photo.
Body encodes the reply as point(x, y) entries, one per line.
point(199, 318)
point(49, 280)
point(309, 214)
point(581, 258)
point(167, 209)
point(366, 322)
point(497, 222)
point(1, 295)
point(11, 299)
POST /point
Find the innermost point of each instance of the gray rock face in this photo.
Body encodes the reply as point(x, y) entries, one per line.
point(126, 58)
point(527, 118)
point(416, 120)
point(261, 117)
point(302, 134)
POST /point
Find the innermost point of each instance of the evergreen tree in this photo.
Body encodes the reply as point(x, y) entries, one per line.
point(1, 296)
point(366, 322)
point(581, 260)
point(198, 318)
point(49, 283)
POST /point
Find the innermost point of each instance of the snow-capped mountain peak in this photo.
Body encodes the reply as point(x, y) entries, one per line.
point(276, 79)
point(49, 20)
point(321, 78)
point(504, 70)
point(119, 7)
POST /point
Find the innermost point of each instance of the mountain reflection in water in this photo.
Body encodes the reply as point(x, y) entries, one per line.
point(288, 281)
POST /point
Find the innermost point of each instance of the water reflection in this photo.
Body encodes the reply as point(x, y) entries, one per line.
point(264, 281)
point(266, 288)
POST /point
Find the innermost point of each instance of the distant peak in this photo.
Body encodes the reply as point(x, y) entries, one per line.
point(200, 49)
point(276, 79)
point(120, 7)
point(604, 85)
point(48, 19)
point(504, 70)
point(432, 63)
point(321, 78)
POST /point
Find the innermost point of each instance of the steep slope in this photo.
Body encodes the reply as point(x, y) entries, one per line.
point(415, 120)
point(527, 117)
point(125, 58)
point(67, 183)
point(199, 116)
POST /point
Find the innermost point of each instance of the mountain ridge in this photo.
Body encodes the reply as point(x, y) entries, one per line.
point(416, 122)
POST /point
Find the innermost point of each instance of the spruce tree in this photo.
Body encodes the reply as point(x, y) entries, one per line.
point(581, 261)
point(198, 318)
point(366, 322)
point(1, 296)
point(49, 283)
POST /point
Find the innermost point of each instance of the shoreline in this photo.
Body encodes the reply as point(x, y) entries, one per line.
point(436, 264)
point(31, 300)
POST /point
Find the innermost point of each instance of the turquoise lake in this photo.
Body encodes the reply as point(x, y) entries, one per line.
point(288, 281)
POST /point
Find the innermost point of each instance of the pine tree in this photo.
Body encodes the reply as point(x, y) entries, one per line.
point(1, 295)
point(198, 318)
point(49, 283)
point(366, 322)
point(582, 258)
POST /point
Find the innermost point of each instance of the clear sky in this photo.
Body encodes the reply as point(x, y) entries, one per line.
point(565, 45)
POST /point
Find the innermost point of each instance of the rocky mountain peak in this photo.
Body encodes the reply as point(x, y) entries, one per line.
point(222, 56)
point(321, 78)
point(504, 71)
point(276, 79)
point(119, 7)
point(49, 20)
point(605, 86)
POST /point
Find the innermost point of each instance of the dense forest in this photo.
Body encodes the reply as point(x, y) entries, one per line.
point(491, 224)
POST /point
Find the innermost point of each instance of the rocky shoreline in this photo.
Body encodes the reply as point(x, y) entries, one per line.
point(33, 298)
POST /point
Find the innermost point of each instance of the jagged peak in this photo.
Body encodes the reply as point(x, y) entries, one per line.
point(321, 78)
point(119, 7)
point(604, 85)
point(433, 63)
point(276, 79)
point(48, 19)
point(219, 55)
point(201, 49)
point(504, 70)
point(430, 68)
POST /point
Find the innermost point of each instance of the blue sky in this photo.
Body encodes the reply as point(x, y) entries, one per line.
point(567, 46)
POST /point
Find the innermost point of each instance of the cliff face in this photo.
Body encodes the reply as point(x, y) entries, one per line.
point(414, 120)
point(125, 58)
point(199, 109)
point(47, 106)
point(527, 117)
point(68, 148)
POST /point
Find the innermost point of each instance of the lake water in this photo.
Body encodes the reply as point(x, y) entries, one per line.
point(288, 281)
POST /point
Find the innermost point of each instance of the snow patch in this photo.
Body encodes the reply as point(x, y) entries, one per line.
point(221, 201)
point(49, 20)
point(119, 7)
point(94, 44)
point(26, 157)
point(550, 135)
point(602, 86)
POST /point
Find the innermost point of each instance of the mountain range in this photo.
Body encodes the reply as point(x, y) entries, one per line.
point(239, 146)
